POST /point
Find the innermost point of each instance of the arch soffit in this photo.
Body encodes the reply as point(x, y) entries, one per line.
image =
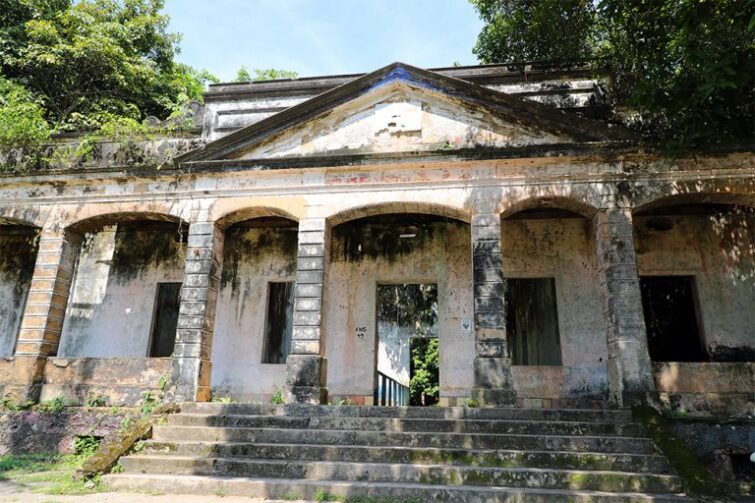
point(95, 222)
point(738, 198)
point(397, 207)
point(240, 215)
point(550, 202)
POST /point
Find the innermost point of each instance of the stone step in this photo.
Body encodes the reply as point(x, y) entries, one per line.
point(411, 425)
point(548, 478)
point(398, 492)
point(493, 458)
point(629, 445)
point(301, 410)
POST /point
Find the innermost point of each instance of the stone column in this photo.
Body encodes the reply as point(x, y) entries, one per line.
point(492, 364)
point(192, 366)
point(630, 374)
point(305, 366)
point(44, 312)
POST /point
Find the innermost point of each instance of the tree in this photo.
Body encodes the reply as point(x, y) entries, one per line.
point(243, 74)
point(685, 66)
point(93, 60)
point(523, 30)
point(22, 121)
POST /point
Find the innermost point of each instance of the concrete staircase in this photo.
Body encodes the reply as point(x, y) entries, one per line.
point(401, 454)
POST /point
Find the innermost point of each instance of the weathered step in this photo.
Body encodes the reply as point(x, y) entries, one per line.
point(631, 445)
point(406, 473)
point(413, 424)
point(307, 489)
point(359, 454)
point(582, 415)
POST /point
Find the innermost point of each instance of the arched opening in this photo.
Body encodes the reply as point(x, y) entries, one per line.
point(254, 315)
point(398, 298)
point(554, 316)
point(19, 243)
point(696, 260)
point(125, 293)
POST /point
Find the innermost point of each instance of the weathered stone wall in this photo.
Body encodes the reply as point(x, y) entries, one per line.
point(45, 432)
point(561, 248)
point(252, 258)
point(18, 251)
point(439, 254)
point(121, 381)
point(719, 251)
point(112, 303)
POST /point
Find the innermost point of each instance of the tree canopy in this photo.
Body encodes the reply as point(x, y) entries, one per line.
point(90, 61)
point(685, 66)
point(259, 74)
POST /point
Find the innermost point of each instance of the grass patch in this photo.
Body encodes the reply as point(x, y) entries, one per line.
point(47, 473)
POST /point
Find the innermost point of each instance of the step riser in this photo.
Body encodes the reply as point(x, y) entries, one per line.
point(413, 425)
point(411, 474)
point(465, 441)
point(618, 462)
point(289, 490)
point(612, 416)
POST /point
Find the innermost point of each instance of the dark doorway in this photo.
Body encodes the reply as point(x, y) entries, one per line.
point(668, 303)
point(532, 321)
point(407, 345)
point(279, 324)
point(166, 320)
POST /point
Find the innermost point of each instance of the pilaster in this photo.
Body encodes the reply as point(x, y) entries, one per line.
point(630, 373)
point(305, 366)
point(492, 364)
point(192, 366)
point(44, 312)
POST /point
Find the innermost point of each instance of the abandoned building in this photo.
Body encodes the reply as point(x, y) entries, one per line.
point(309, 233)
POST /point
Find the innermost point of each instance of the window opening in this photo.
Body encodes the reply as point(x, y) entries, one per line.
point(166, 320)
point(279, 324)
point(532, 321)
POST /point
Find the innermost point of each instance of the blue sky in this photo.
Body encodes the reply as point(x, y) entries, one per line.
point(321, 37)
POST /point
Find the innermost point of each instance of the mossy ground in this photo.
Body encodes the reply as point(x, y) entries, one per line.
point(46, 473)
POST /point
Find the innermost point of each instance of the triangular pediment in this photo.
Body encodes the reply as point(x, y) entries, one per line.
point(398, 109)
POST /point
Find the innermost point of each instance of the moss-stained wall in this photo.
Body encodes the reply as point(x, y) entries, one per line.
point(367, 252)
point(111, 309)
point(719, 251)
point(18, 252)
point(253, 257)
point(561, 248)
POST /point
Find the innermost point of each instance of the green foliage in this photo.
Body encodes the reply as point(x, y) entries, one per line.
point(53, 405)
point(91, 59)
point(47, 473)
point(424, 385)
point(94, 399)
point(7, 403)
point(22, 121)
point(86, 445)
point(685, 66)
point(257, 74)
point(522, 30)
point(277, 398)
point(149, 402)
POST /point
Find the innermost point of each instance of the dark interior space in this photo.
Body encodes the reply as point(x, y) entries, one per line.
point(279, 323)
point(166, 319)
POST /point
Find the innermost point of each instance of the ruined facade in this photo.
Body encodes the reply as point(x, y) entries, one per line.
point(254, 261)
